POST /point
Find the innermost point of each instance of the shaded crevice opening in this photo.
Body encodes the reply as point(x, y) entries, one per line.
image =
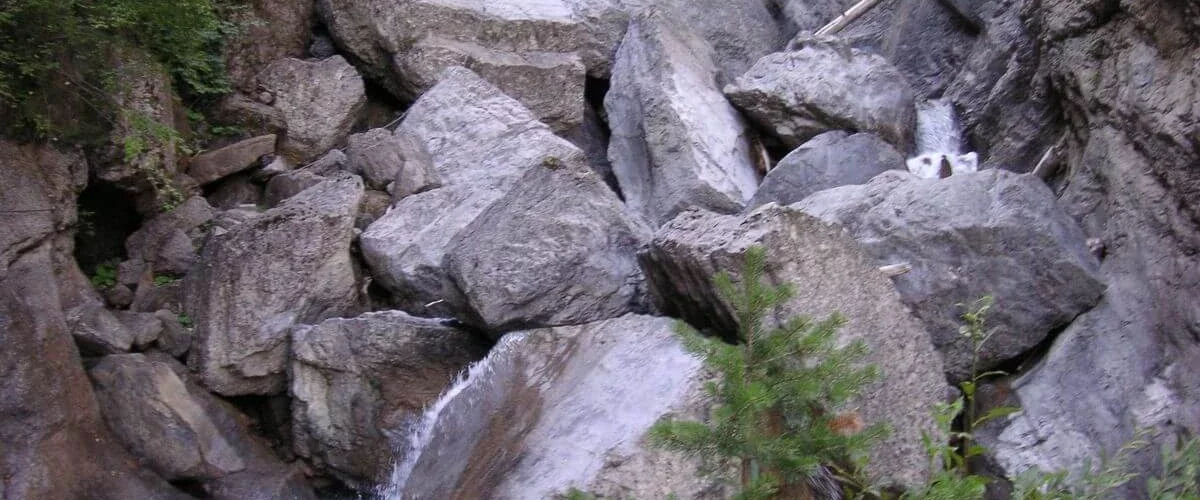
point(381, 110)
point(594, 134)
point(107, 216)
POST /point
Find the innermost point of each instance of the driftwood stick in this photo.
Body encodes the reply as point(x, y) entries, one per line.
point(846, 18)
point(1044, 168)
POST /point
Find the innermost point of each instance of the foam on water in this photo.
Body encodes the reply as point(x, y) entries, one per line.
point(939, 142)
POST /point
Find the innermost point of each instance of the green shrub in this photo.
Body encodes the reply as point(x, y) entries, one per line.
point(105, 276)
point(56, 57)
point(779, 392)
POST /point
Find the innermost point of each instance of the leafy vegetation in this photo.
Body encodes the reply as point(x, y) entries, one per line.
point(57, 57)
point(162, 280)
point(776, 421)
point(105, 276)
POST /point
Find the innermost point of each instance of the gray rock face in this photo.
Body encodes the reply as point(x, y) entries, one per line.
point(831, 273)
point(739, 32)
point(557, 249)
point(319, 102)
point(928, 41)
point(1010, 113)
point(356, 381)
point(966, 236)
point(544, 413)
point(826, 85)
point(40, 187)
point(213, 165)
point(808, 16)
point(268, 30)
point(289, 265)
point(676, 142)
point(182, 432)
point(537, 53)
point(486, 148)
point(1130, 179)
point(827, 161)
point(49, 419)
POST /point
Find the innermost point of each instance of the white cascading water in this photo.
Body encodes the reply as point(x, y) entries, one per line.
point(939, 141)
point(423, 430)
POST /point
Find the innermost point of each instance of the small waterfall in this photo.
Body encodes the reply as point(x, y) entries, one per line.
point(421, 433)
point(939, 142)
point(937, 127)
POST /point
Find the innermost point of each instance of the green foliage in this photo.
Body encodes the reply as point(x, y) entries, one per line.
point(185, 320)
point(577, 494)
point(777, 394)
point(144, 143)
point(161, 280)
point(60, 53)
point(1092, 483)
point(1180, 478)
point(105, 276)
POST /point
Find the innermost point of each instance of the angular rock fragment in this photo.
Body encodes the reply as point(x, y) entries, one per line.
point(497, 164)
point(826, 85)
point(288, 265)
point(319, 102)
point(213, 165)
point(676, 142)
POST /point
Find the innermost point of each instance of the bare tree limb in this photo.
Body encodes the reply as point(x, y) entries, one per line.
point(847, 17)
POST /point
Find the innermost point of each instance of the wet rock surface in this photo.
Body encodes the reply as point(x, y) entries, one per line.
point(357, 383)
point(505, 435)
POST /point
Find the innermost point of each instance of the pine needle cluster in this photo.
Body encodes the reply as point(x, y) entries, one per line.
point(779, 389)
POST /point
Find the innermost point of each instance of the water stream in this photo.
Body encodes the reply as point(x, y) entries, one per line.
point(939, 142)
point(467, 385)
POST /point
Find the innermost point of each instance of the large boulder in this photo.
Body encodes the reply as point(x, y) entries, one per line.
point(319, 102)
point(990, 233)
point(676, 142)
point(516, 201)
point(826, 85)
point(829, 160)
point(356, 384)
point(254, 281)
point(558, 249)
point(184, 433)
point(831, 273)
point(548, 410)
point(538, 54)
